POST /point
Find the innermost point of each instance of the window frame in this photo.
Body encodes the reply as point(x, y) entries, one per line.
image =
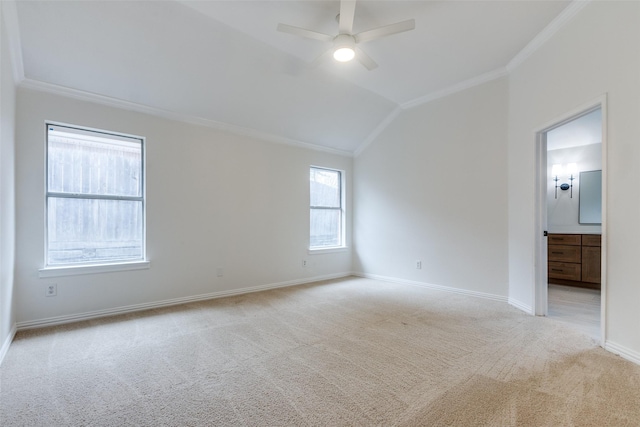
point(52, 270)
point(342, 233)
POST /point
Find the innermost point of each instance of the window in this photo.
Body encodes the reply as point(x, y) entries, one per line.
point(95, 197)
point(327, 214)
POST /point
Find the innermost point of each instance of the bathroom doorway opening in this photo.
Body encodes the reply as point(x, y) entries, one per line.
point(571, 244)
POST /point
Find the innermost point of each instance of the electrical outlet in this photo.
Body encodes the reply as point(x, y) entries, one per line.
point(51, 290)
point(304, 263)
point(220, 272)
point(419, 265)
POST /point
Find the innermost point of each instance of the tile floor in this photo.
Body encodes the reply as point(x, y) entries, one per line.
point(577, 307)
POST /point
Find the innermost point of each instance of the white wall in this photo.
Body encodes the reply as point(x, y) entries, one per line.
point(214, 199)
point(563, 212)
point(432, 187)
point(7, 199)
point(597, 53)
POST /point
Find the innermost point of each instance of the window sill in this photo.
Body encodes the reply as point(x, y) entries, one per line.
point(92, 269)
point(329, 250)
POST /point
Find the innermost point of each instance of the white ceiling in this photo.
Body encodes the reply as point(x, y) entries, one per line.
point(224, 61)
point(584, 130)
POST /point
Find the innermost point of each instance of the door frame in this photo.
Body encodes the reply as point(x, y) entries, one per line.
point(540, 299)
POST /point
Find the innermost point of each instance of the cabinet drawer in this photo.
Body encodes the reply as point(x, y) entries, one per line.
point(562, 253)
point(564, 239)
point(591, 240)
point(564, 270)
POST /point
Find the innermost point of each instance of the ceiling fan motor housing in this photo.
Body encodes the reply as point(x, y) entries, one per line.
point(344, 47)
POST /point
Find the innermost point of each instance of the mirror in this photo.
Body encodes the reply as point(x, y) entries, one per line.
point(590, 197)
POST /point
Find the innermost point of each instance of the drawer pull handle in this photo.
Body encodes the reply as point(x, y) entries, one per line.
point(556, 269)
point(557, 253)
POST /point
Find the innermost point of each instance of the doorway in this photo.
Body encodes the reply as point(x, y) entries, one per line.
point(570, 244)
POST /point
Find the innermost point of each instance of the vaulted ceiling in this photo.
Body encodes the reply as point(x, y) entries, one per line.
point(224, 63)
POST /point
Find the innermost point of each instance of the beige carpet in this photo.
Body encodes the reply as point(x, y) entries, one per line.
point(347, 352)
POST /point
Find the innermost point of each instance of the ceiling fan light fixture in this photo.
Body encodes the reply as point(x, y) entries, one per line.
point(344, 48)
point(344, 54)
point(344, 44)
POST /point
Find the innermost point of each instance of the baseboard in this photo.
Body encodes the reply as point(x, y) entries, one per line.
point(432, 286)
point(59, 320)
point(622, 351)
point(521, 306)
point(7, 342)
point(615, 348)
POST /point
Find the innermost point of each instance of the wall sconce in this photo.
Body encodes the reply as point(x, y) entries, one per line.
point(557, 170)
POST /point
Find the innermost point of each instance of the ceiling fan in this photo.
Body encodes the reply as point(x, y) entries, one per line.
point(344, 44)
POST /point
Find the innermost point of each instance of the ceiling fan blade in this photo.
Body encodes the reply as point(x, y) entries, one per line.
point(325, 56)
point(304, 33)
point(347, 14)
point(365, 60)
point(387, 30)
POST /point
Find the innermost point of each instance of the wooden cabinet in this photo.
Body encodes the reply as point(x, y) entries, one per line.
point(563, 253)
point(591, 255)
point(574, 259)
point(565, 239)
point(565, 270)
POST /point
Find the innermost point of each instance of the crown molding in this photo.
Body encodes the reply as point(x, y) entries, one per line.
point(538, 41)
point(10, 18)
point(543, 36)
point(458, 87)
point(378, 130)
point(80, 95)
